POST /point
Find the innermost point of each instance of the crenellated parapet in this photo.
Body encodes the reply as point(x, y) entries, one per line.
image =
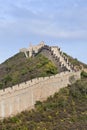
point(54, 52)
point(21, 97)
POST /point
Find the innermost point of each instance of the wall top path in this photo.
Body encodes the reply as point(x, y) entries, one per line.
point(57, 53)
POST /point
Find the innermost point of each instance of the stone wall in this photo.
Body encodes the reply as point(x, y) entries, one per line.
point(23, 96)
point(29, 52)
point(51, 56)
point(54, 54)
point(62, 61)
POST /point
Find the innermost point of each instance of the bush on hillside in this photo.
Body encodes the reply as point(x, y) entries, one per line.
point(20, 69)
point(84, 74)
point(66, 110)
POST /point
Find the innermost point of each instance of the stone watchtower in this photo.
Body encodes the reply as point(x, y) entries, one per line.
point(52, 53)
point(32, 49)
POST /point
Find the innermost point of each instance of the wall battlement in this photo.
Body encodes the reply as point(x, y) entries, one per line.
point(58, 55)
point(29, 83)
point(23, 96)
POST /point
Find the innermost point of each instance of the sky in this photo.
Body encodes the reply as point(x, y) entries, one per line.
point(56, 22)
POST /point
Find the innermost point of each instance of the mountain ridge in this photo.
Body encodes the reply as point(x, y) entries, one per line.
point(18, 68)
point(23, 96)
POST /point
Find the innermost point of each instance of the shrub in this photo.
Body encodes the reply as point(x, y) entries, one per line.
point(24, 71)
point(83, 74)
point(1, 85)
point(51, 68)
point(7, 79)
point(62, 102)
point(38, 105)
point(79, 89)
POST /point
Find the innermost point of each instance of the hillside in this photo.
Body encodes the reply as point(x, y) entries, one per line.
point(66, 110)
point(76, 62)
point(18, 69)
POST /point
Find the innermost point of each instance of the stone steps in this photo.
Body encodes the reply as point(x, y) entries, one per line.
point(53, 53)
point(57, 57)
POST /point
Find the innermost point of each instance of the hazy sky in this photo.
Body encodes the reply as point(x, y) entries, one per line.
point(57, 22)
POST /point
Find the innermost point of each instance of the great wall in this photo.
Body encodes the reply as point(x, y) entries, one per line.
point(53, 53)
point(23, 96)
